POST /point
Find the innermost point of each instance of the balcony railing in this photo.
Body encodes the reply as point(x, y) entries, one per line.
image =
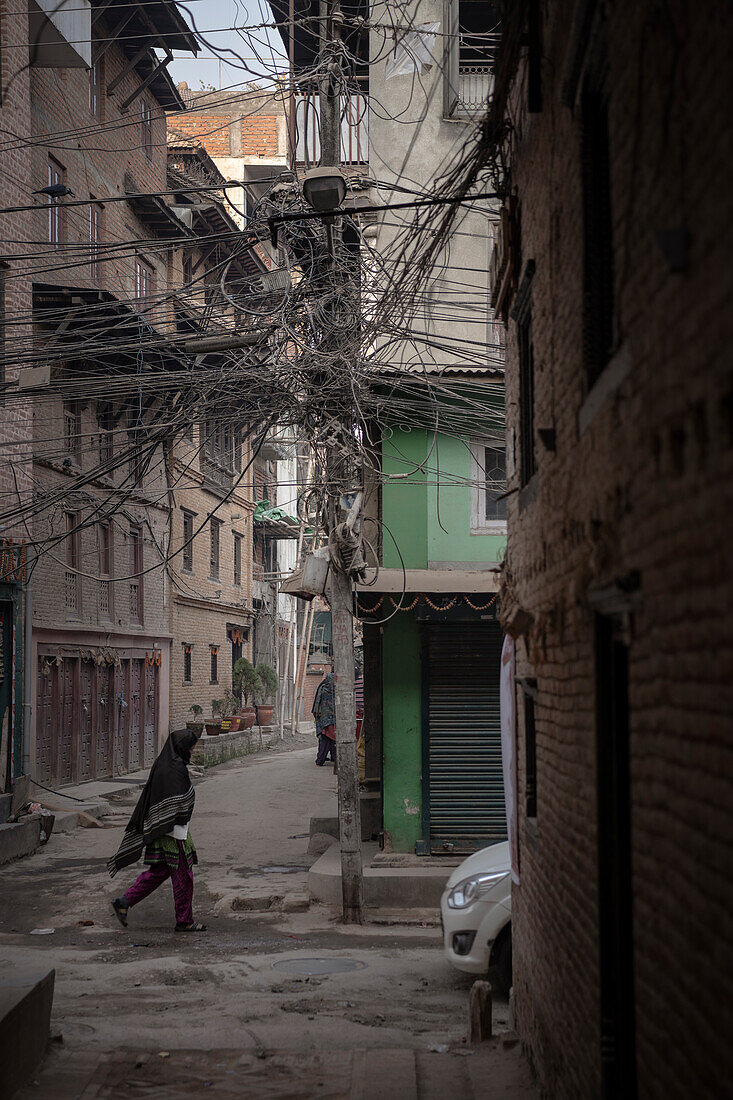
point(354, 129)
point(475, 85)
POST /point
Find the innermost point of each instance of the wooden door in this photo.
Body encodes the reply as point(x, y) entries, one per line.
point(105, 719)
point(120, 717)
point(47, 683)
point(151, 714)
point(65, 729)
point(86, 723)
point(135, 756)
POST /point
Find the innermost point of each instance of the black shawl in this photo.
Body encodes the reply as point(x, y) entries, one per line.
point(166, 800)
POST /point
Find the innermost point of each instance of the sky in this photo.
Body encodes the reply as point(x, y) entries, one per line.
point(216, 20)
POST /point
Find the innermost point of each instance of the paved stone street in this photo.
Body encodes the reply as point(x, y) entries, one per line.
point(144, 1011)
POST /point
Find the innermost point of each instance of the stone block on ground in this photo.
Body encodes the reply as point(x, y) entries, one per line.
point(20, 838)
point(320, 842)
point(480, 1009)
point(25, 1016)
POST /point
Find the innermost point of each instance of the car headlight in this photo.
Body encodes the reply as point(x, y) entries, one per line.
point(466, 892)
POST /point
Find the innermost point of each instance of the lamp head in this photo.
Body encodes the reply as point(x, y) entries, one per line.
point(324, 188)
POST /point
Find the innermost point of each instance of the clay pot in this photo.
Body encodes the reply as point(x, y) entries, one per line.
point(265, 712)
point(213, 729)
point(247, 717)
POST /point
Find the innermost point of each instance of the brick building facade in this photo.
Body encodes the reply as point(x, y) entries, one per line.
point(101, 642)
point(614, 277)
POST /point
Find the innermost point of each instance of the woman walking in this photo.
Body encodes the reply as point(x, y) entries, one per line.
point(324, 712)
point(159, 824)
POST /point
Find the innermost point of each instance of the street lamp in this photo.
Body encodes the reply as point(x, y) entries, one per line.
point(324, 188)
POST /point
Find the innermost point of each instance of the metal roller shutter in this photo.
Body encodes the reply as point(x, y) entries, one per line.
point(465, 784)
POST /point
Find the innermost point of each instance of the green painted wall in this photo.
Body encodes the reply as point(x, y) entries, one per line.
point(404, 502)
point(402, 734)
point(429, 512)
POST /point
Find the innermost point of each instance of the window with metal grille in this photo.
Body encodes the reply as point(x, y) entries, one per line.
point(72, 576)
point(598, 297)
point(136, 579)
point(215, 530)
point(530, 756)
point(187, 554)
point(72, 429)
point(55, 212)
point(237, 560)
point(146, 127)
point(528, 455)
point(187, 664)
point(105, 570)
point(214, 658)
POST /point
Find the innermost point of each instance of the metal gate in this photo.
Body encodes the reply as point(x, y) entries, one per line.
point(465, 787)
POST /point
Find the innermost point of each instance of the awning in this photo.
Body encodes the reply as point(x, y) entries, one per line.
point(431, 580)
point(276, 521)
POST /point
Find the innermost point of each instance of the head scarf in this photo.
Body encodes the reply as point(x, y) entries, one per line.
point(324, 703)
point(166, 800)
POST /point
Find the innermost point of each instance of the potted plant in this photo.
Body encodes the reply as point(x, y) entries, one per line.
point(197, 725)
point(247, 685)
point(232, 720)
point(266, 696)
point(218, 706)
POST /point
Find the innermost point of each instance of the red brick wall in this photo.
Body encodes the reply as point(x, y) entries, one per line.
point(259, 136)
point(212, 131)
point(646, 486)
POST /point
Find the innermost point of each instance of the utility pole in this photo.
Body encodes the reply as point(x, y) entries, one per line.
point(340, 585)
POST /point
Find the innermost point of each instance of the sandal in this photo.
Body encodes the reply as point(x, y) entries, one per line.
point(121, 911)
point(193, 927)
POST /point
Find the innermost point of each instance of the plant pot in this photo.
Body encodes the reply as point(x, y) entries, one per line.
point(265, 711)
point(195, 727)
point(247, 717)
point(235, 723)
point(213, 729)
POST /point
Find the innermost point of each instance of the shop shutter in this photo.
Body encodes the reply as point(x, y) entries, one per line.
point(464, 782)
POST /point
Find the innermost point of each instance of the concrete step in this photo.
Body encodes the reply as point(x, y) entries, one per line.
point(67, 820)
point(25, 1015)
point(19, 839)
point(414, 885)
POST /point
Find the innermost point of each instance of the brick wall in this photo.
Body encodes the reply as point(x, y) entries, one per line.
point(645, 485)
point(15, 172)
point(212, 131)
point(259, 136)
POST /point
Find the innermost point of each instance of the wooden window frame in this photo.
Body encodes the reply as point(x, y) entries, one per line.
point(96, 220)
point(187, 663)
point(105, 437)
point(96, 89)
point(144, 280)
point(214, 664)
point(72, 430)
point(56, 174)
point(146, 128)
point(215, 526)
point(73, 556)
point(106, 569)
point(187, 551)
point(480, 525)
point(137, 586)
point(238, 540)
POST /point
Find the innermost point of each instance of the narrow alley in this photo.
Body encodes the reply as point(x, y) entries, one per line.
point(276, 999)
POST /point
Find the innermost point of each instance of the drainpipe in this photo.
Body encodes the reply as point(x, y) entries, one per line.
point(28, 670)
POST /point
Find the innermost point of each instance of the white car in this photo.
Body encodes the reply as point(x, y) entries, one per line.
point(476, 913)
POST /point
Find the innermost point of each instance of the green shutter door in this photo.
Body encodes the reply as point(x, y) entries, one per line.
point(464, 783)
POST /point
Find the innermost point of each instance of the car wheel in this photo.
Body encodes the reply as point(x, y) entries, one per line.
point(501, 959)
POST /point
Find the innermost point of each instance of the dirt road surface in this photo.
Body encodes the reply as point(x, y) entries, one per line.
point(238, 1009)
